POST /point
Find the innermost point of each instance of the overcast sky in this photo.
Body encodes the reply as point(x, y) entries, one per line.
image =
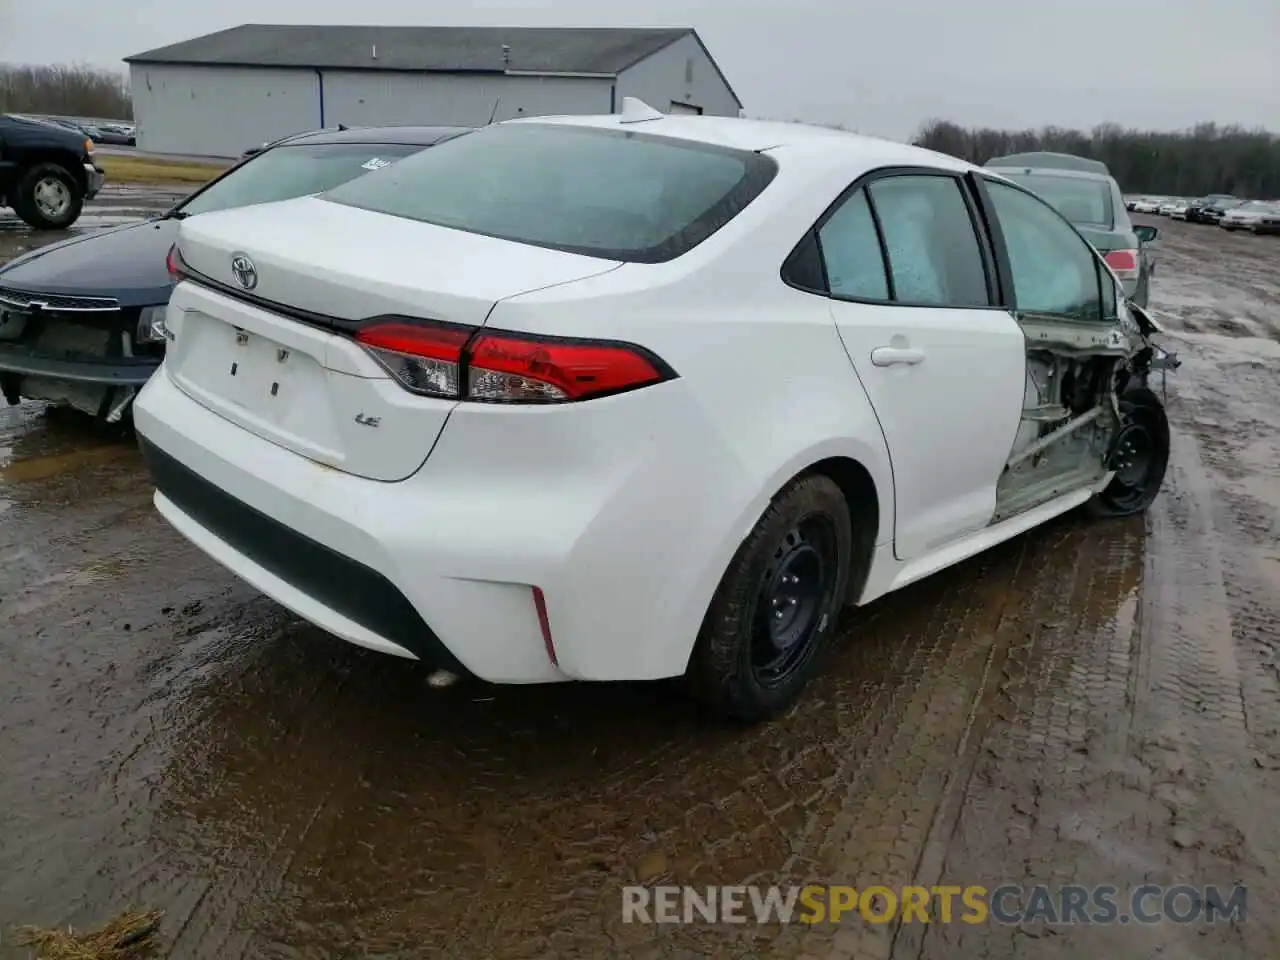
point(878, 66)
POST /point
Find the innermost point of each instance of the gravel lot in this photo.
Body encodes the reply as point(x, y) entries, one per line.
point(1093, 703)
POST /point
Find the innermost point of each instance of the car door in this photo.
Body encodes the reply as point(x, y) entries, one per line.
point(1057, 284)
point(911, 281)
point(1054, 272)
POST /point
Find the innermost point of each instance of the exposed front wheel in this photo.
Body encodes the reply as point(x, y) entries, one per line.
point(1139, 457)
point(776, 604)
point(48, 197)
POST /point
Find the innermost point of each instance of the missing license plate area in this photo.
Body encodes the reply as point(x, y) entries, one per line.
point(261, 348)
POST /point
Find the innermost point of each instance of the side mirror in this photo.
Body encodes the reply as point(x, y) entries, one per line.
point(1145, 233)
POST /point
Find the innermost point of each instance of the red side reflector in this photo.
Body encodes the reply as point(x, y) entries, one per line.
point(174, 264)
point(540, 604)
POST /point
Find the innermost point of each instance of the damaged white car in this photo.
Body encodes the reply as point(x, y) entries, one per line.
point(635, 396)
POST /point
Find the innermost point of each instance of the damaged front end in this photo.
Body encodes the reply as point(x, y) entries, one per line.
point(1090, 419)
point(88, 353)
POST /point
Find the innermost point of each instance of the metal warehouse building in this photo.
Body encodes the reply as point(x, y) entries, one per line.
point(220, 94)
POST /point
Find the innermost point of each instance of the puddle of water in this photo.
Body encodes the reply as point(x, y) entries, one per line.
point(39, 468)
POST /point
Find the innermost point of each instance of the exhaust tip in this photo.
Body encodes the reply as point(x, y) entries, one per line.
point(439, 679)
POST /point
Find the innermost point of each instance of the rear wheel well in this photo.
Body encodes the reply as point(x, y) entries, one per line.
point(859, 491)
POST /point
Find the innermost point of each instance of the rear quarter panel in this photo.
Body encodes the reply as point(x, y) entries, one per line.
point(765, 391)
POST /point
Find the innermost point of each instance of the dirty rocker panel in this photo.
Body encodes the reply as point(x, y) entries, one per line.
point(350, 588)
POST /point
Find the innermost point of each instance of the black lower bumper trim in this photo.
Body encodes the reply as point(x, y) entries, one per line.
point(357, 592)
point(131, 372)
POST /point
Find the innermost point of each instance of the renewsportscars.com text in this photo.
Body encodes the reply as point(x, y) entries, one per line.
point(1008, 904)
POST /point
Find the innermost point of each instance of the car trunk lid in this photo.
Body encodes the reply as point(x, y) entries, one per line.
point(279, 360)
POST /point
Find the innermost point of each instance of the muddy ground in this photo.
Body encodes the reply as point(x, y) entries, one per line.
point(1094, 703)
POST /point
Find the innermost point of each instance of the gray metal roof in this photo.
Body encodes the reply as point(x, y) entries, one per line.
point(436, 49)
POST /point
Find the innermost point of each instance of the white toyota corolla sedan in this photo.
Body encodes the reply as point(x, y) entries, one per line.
point(637, 396)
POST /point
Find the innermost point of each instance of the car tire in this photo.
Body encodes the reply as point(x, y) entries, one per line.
point(48, 197)
point(1140, 456)
point(776, 606)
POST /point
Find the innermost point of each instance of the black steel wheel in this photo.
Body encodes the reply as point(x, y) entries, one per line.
point(776, 605)
point(1139, 457)
point(793, 595)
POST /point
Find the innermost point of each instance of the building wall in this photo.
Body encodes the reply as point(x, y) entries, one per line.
point(375, 98)
point(679, 74)
point(219, 111)
point(222, 111)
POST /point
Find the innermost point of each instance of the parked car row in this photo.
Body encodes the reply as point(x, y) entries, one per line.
point(613, 398)
point(119, 133)
point(1224, 210)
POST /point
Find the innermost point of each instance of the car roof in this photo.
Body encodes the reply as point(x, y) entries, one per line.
point(1044, 159)
point(841, 146)
point(409, 136)
point(1064, 174)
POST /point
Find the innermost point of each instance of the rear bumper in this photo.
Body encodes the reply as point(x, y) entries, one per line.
point(304, 574)
point(367, 561)
point(625, 549)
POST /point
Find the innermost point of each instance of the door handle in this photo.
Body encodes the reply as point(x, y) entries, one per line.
point(891, 356)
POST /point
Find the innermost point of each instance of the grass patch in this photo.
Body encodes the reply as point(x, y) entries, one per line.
point(144, 170)
point(130, 935)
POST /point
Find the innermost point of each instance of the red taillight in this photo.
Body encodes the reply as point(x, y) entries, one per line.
point(506, 366)
point(496, 366)
point(1124, 263)
point(544, 623)
point(425, 358)
point(175, 265)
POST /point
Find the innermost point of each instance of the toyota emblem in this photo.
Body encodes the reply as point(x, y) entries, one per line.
point(245, 272)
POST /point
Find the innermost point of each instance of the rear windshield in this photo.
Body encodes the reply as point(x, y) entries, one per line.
point(1083, 202)
point(616, 194)
point(288, 171)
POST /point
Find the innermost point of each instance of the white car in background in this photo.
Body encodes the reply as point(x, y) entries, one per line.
point(1178, 210)
point(1166, 208)
point(630, 397)
point(1148, 205)
point(1245, 216)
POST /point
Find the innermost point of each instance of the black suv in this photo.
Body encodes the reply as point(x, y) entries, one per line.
point(46, 172)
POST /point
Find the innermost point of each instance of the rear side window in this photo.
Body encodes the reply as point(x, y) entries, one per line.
point(934, 257)
point(616, 194)
point(851, 249)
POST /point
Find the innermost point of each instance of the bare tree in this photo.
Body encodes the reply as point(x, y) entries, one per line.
point(1204, 159)
point(65, 90)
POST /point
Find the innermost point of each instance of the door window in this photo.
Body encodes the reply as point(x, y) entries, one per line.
point(1054, 270)
point(851, 251)
point(934, 257)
